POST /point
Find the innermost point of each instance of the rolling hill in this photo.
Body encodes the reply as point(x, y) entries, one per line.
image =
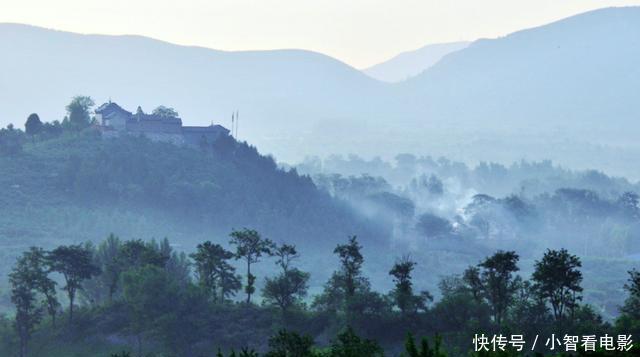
point(281, 94)
point(566, 90)
point(577, 71)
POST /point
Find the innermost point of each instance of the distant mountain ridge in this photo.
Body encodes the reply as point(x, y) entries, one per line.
point(273, 90)
point(575, 80)
point(580, 56)
point(565, 91)
point(411, 63)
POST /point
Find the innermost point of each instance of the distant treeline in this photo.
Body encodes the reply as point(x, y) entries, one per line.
point(148, 299)
point(442, 209)
point(593, 224)
point(524, 177)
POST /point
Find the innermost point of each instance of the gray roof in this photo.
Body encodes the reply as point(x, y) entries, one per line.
point(141, 121)
point(205, 129)
point(111, 107)
point(156, 118)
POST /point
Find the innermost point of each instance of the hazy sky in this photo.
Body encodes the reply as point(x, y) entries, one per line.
point(359, 32)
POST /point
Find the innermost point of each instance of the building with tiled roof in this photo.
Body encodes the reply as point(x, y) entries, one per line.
point(114, 120)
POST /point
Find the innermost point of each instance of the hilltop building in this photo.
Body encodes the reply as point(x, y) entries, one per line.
point(113, 120)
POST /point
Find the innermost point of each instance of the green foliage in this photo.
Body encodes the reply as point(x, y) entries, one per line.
point(214, 272)
point(349, 344)
point(11, 141)
point(424, 350)
point(108, 257)
point(471, 278)
point(24, 288)
point(149, 294)
point(79, 112)
point(405, 300)
point(250, 246)
point(528, 313)
point(285, 255)
point(629, 319)
point(44, 284)
point(137, 253)
point(185, 322)
point(165, 112)
point(351, 264)
point(244, 352)
point(76, 265)
point(498, 281)
point(33, 125)
point(139, 292)
point(347, 295)
point(632, 304)
point(557, 280)
point(121, 354)
point(401, 273)
point(290, 344)
point(68, 186)
point(433, 226)
point(289, 287)
point(114, 257)
point(458, 312)
point(160, 310)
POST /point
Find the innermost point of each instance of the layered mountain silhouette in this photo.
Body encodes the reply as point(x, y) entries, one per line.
point(412, 63)
point(280, 95)
point(578, 71)
point(567, 91)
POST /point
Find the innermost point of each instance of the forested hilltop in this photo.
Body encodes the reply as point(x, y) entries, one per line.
point(62, 183)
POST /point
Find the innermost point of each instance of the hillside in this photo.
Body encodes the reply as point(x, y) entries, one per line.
point(79, 187)
point(578, 69)
point(411, 63)
point(572, 80)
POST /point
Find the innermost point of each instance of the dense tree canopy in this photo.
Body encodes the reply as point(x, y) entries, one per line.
point(33, 125)
point(159, 308)
point(75, 264)
point(557, 280)
point(79, 112)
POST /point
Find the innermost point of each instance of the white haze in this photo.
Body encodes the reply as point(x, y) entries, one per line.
point(565, 91)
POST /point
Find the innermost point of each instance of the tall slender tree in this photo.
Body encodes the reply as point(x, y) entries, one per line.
point(351, 260)
point(44, 284)
point(214, 272)
point(24, 295)
point(250, 246)
point(111, 266)
point(403, 292)
point(75, 263)
point(290, 286)
point(471, 278)
point(557, 279)
point(33, 126)
point(79, 112)
point(499, 281)
point(285, 255)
